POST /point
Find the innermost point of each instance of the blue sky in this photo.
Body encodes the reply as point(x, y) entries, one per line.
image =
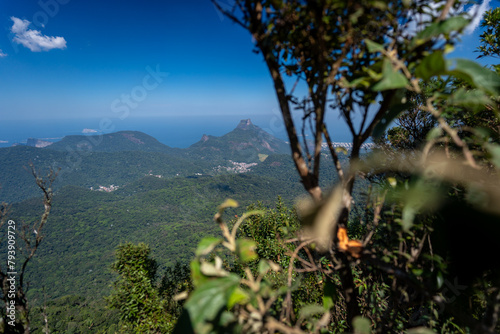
point(108, 47)
point(82, 58)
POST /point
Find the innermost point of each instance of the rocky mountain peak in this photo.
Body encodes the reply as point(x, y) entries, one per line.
point(245, 124)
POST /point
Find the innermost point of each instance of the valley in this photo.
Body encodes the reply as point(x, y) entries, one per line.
point(127, 186)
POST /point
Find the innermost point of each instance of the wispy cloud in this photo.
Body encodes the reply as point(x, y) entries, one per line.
point(2, 54)
point(476, 12)
point(33, 39)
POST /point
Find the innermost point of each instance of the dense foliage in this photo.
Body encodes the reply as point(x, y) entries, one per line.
point(135, 295)
point(375, 60)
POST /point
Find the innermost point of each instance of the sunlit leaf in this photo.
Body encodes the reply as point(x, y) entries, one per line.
point(476, 75)
point(373, 47)
point(228, 203)
point(408, 215)
point(245, 249)
point(239, 296)
point(196, 274)
point(392, 181)
point(417, 271)
point(209, 299)
point(391, 78)
point(206, 245)
point(341, 149)
point(439, 280)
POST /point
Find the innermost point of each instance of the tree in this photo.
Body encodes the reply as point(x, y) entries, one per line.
point(490, 38)
point(363, 60)
point(412, 125)
point(12, 277)
point(135, 295)
point(357, 58)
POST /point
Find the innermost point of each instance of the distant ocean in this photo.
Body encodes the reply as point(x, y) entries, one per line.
point(172, 131)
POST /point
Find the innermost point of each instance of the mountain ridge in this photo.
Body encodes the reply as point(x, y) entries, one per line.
point(243, 143)
point(112, 142)
point(110, 161)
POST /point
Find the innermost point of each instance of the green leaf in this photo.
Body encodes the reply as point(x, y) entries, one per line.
point(209, 299)
point(431, 65)
point(408, 215)
point(361, 325)
point(437, 29)
point(395, 109)
point(373, 47)
point(423, 195)
point(196, 275)
point(391, 79)
point(245, 248)
point(239, 296)
point(228, 203)
point(476, 75)
point(309, 310)
point(439, 280)
point(206, 245)
point(417, 271)
point(494, 150)
point(473, 99)
point(330, 294)
point(358, 82)
point(263, 267)
point(392, 181)
point(341, 149)
point(434, 133)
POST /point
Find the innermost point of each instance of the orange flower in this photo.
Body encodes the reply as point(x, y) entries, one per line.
point(353, 247)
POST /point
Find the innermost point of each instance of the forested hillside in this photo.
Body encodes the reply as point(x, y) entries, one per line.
point(171, 215)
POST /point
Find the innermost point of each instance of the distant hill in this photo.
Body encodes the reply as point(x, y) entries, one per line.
point(246, 143)
point(112, 142)
point(86, 169)
point(120, 158)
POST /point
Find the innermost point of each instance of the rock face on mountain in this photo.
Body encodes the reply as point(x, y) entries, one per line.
point(246, 143)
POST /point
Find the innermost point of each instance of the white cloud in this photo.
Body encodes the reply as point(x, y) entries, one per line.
point(2, 54)
point(33, 39)
point(476, 12)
